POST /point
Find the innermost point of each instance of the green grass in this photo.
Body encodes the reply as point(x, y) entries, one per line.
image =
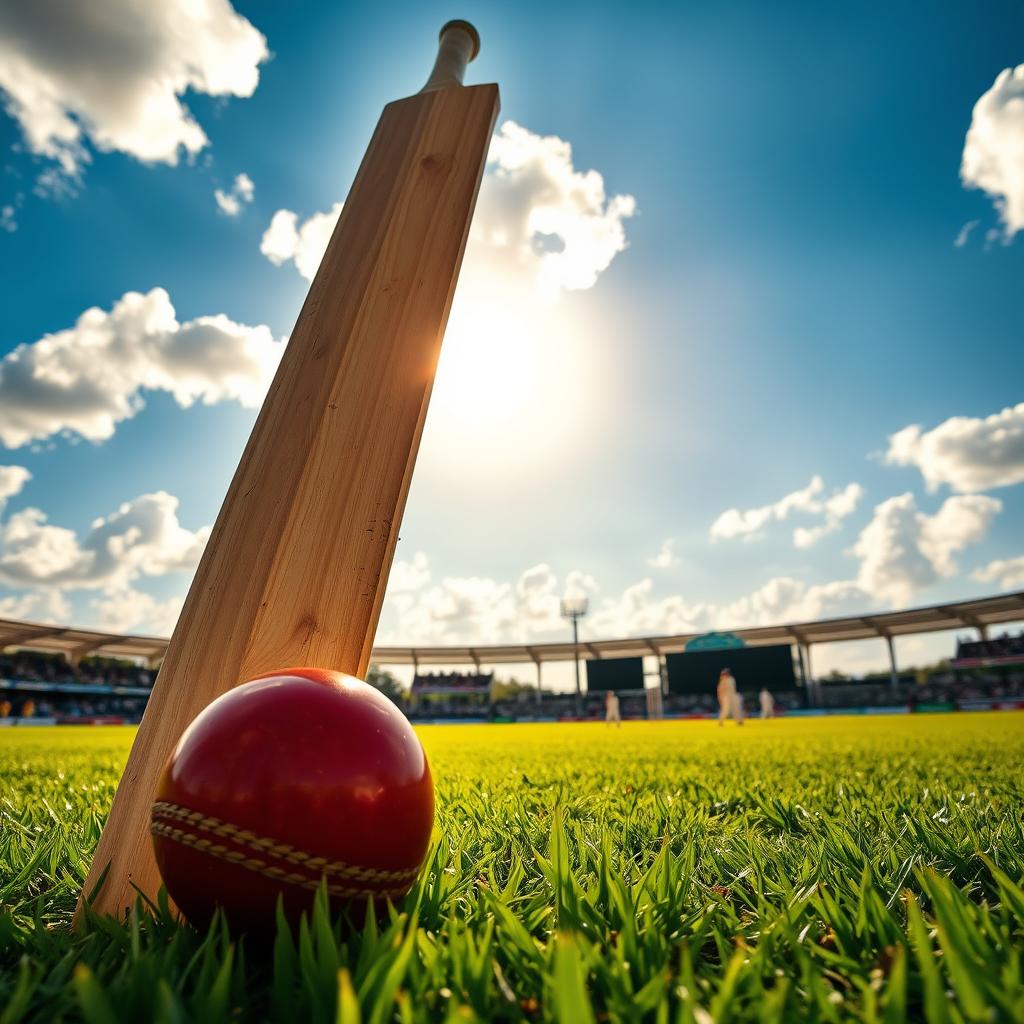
point(828, 869)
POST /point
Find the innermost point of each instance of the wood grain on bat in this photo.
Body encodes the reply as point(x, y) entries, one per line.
point(298, 560)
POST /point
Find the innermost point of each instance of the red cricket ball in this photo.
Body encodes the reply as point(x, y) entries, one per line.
point(293, 777)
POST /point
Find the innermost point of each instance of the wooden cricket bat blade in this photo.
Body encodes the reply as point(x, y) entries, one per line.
point(297, 563)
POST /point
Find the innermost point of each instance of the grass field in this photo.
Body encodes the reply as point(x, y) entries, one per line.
point(831, 869)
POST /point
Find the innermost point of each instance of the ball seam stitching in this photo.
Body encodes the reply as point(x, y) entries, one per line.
point(260, 867)
point(283, 851)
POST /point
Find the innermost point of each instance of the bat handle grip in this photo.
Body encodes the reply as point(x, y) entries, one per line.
point(459, 43)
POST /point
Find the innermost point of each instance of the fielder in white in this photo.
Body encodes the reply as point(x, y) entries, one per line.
point(730, 703)
point(611, 709)
point(767, 703)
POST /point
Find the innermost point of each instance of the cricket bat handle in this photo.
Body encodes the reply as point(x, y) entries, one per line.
point(458, 44)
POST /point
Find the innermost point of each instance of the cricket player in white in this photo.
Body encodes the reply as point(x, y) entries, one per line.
point(767, 703)
point(611, 709)
point(730, 703)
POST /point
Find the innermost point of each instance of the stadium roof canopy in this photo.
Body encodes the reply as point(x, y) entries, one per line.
point(79, 643)
point(975, 614)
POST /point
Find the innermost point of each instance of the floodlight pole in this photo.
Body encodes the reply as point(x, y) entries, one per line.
point(576, 662)
point(536, 662)
point(574, 609)
point(894, 672)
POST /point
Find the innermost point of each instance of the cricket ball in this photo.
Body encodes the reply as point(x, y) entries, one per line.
point(294, 778)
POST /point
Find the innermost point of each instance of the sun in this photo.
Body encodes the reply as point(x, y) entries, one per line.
point(514, 387)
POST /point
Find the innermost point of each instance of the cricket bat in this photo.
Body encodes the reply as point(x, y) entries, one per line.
point(298, 560)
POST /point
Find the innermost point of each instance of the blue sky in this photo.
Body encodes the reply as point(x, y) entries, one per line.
point(776, 294)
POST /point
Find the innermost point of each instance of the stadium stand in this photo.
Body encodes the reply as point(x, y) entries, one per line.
point(31, 666)
point(35, 685)
point(460, 696)
point(42, 680)
point(1001, 650)
point(945, 691)
point(449, 683)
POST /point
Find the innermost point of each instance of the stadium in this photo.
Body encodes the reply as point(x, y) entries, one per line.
point(78, 677)
point(531, 537)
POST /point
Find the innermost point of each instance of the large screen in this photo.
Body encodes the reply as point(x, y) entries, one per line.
point(753, 667)
point(615, 674)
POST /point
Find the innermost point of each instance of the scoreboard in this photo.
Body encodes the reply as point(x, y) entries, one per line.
point(605, 674)
point(753, 667)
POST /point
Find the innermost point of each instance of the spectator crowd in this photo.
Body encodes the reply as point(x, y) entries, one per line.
point(999, 648)
point(45, 686)
point(34, 666)
point(38, 686)
point(949, 688)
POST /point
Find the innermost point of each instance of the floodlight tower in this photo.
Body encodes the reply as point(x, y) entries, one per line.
point(574, 608)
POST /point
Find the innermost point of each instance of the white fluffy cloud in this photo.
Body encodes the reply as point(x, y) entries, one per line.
point(478, 609)
point(142, 538)
point(968, 453)
point(784, 599)
point(666, 556)
point(638, 612)
point(86, 379)
point(835, 509)
point(538, 213)
point(993, 157)
point(458, 609)
point(483, 610)
point(748, 523)
point(903, 550)
point(965, 233)
point(1008, 573)
point(128, 610)
point(303, 244)
point(114, 72)
point(410, 575)
point(12, 479)
point(538, 597)
point(242, 191)
point(537, 216)
point(900, 552)
point(49, 606)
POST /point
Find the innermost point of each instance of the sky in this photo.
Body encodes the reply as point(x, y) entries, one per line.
point(737, 340)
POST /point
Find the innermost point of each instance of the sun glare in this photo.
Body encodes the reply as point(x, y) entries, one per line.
point(514, 387)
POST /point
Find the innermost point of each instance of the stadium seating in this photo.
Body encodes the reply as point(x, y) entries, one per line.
point(46, 687)
point(1004, 649)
